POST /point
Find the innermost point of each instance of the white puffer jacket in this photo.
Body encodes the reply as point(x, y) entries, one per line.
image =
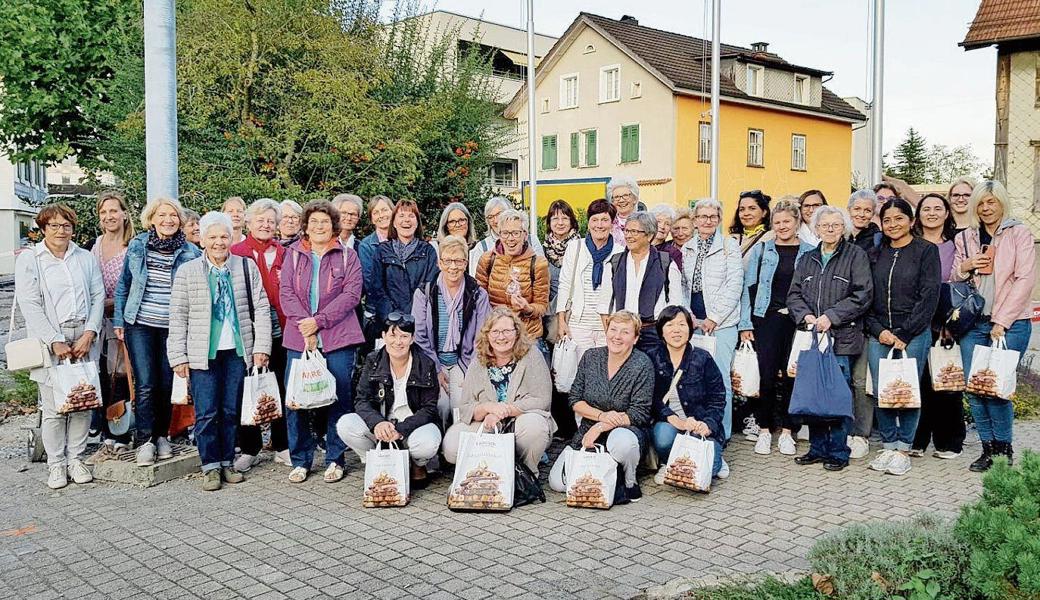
point(722, 275)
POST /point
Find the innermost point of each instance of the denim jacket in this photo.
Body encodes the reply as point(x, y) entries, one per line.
point(763, 255)
point(130, 288)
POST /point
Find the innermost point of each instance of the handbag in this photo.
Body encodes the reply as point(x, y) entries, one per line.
point(526, 489)
point(820, 389)
point(31, 352)
point(960, 305)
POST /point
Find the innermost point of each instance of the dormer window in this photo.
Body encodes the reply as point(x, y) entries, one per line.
point(801, 89)
point(755, 80)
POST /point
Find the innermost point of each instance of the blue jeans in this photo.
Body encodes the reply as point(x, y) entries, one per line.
point(301, 424)
point(153, 381)
point(898, 426)
point(993, 416)
point(216, 392)
point(725, 348)
point(663, 438)
point(828, 437)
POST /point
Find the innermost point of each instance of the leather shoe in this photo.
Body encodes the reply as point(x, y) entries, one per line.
point(835, 466)
point(808, 459)
point(419, 477)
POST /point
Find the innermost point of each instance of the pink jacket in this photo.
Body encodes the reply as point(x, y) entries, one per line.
point(1013, 269)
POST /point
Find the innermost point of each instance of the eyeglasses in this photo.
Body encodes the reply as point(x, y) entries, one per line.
point(493, 216)
point(634, 232)
point(706, 217)
point(60, 226)
point(319, 222)
point(626, 196)
point(829, 226)
point(400, 320)
point(968, 195)
point(291, 218)
point(502, 332)
point(511, 234)
point(454, 262)
point(457, 222)
point(811, 206)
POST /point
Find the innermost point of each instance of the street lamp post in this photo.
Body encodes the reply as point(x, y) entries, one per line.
point(532, 168)
point(160, 98)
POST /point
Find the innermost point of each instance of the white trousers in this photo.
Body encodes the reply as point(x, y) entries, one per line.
point(449, 399)
point(622, 445)
point(422, 444)
point(587, 339)
point(531, 433)
point(64, 436)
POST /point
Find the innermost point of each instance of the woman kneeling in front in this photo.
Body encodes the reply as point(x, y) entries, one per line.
point(213, 337)
point(612, 393)
point(397, 399)
point(507, 386)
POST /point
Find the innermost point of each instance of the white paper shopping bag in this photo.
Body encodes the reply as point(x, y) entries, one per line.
point(387, 477)
point(946, 367)
point(898, 385)
point(993, 370)
point(484, 472)
point(803, 341)
point(744, 375)
point(690, 463)
point(181, 394)
point(704, 342)
point(261, 400)
point(77, 386)
point(312, 385)
point(591, 476)
point(565, 364)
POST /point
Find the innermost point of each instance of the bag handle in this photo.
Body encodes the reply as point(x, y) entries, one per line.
point(480, 430)
point(389, 445)
point(892, 351)
point(1000, 342)
point(597, 448)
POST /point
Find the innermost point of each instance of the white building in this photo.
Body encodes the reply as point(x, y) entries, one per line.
point(861, 145)
point(23, 188)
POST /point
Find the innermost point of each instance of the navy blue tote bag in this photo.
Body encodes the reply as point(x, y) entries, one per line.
point(820, 390)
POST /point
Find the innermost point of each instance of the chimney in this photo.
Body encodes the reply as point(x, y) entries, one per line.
point(759, 46)
point(630, 20)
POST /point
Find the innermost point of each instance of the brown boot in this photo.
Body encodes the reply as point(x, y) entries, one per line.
point(419, 477)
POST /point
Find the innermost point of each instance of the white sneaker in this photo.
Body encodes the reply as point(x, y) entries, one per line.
point(803, 433)
point(724, 470)
point(79, 473)
point(146, 455)
point(945, 454)
point(244, 462)
point(915, 453)
point(121, 447)
point(859, 447)
point(899, 465)
point(282, 458)
point(750, 429)
point(884, 458)
point(57, 478)
point(787, 445)
point(164, 449)
point(659, 477)
point(764, 444)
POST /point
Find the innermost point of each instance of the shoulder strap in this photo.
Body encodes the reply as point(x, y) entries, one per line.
point(761, 255)
point(530, 275)
point(490, 266)
point(249, 288)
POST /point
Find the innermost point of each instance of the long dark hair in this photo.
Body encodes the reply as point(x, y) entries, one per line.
point(902, 206)
point(668, 314)
point(949, 225)
point(762, 201)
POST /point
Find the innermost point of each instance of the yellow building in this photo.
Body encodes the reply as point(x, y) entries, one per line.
point(617, 98)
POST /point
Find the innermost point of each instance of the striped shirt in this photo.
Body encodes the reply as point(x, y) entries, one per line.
point(155, 304)
point(448, 359)
point(589, 317)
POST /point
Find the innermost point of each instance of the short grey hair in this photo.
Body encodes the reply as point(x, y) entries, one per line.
point(153, 205)
point(260, 207)
point(450, 242)
point(647, 221)
point(708, 203)
point(516, 215)
point(340, 199)
point(375, 201)
point(663, 209)
point(863, 195)
point(215, 218)
point(984, 190)
point(291, 206)
point(622, 181)
point(823, 211)
point(496, 202)
point(442, 229)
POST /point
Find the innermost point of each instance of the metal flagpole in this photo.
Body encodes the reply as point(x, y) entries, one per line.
point(532, 168)
point(879, 84)
point(160, 98)
point(716, 20)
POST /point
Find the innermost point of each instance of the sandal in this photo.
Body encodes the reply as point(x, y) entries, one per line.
point(333, 473)
point(298, 475)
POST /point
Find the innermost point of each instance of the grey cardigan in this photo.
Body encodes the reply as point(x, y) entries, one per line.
point(630, 390)
point(191, 313)
point(530, 388)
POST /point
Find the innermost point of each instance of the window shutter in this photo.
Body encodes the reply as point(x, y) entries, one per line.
point(549, 152)
point(630, 143)
point(590, 148)
point(574, 149)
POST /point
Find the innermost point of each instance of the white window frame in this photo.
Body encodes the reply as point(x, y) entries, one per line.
point(761, 147)
point(604, 96)
point(564, 105)
point(799, 156)
point(801, 85)
point(759, 80)
point(703, 142)
point(583, 145)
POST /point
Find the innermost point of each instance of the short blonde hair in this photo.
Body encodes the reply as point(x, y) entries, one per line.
point(682, 213)
point(626, 317)
point(521, 346)
point(128, 222)
point(984, 190)
point(153, 205)
point(968, 181)
point(453, 242)
point(790, 205)
point(231, 199)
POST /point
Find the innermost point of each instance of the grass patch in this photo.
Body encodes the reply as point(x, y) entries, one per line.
point(768, 589)
point(19, 391)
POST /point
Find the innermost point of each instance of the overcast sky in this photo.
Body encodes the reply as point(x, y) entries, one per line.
point(931, 83)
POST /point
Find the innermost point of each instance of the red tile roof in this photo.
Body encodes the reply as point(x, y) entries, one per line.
point(1003, 21)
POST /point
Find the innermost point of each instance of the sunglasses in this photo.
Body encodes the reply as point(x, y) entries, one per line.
point(751, 193)
point(403, 321)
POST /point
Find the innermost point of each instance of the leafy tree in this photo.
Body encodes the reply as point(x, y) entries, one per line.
point(911, 159)
point(946, 164)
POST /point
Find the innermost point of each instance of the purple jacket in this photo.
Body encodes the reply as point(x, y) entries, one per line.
point(339, 293)
point(475, 308)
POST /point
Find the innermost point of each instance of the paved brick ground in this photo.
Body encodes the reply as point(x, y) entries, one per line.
point(269, 539)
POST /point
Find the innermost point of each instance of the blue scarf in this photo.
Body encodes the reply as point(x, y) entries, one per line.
point(598, 257)
point(223, 302)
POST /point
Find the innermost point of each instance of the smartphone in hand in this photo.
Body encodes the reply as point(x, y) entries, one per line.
point(987, 250)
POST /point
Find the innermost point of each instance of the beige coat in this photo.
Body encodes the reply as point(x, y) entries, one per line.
point(530, 388)
point(191, 313)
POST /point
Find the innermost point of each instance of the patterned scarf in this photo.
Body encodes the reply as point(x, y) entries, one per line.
point(223, 302)
point(164, 246)
point(703, 245)
point(554, 248)
point(404, 251)
point(499, 377)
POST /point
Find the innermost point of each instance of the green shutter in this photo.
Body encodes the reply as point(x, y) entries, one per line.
point(548, 152)
point(590, 148)
point(574, 149)
point(630, 143)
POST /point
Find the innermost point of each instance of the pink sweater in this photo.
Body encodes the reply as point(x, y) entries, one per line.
point(1013, 269)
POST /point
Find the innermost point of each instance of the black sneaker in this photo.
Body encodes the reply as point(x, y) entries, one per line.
point(634, 493)
point(808, 459)
point(834, 465)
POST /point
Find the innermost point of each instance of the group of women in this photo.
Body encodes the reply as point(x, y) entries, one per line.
point(429, 338)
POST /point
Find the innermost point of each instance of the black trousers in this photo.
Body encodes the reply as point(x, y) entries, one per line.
point(774, 334)
point(942, 419)
point(250, 437)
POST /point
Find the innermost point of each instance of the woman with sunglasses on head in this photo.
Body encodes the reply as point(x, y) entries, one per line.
point(320, 290)
point(751, 223)
point(397, 399)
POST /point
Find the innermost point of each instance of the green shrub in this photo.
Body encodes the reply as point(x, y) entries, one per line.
point(22, 391)
point(1027, 395)
point(768, 589)
point(876, 561)
point(1002, 531)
